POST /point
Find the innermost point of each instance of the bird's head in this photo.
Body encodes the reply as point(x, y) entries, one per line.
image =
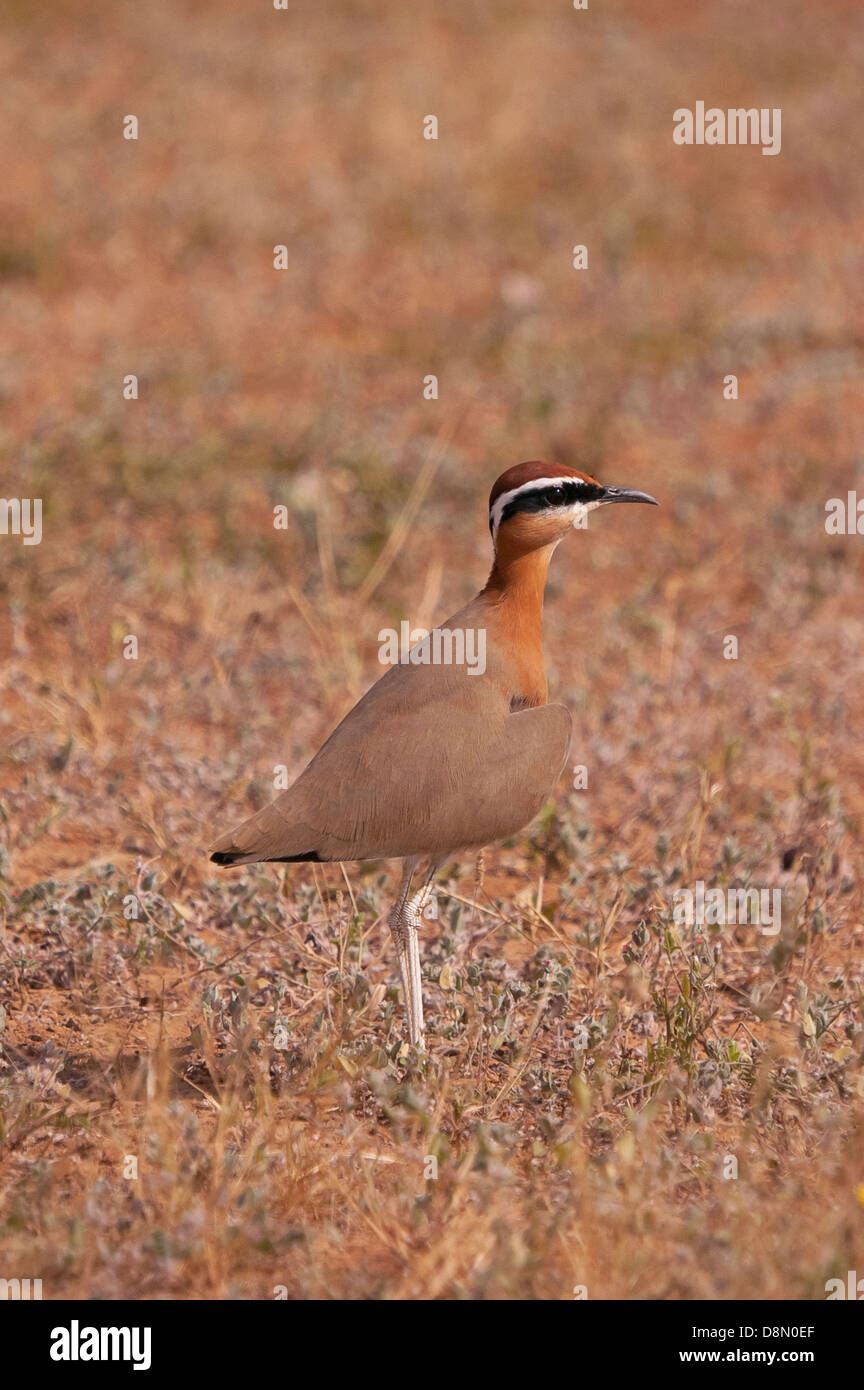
point(535, 504)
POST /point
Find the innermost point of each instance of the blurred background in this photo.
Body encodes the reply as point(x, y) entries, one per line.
point(406, 258)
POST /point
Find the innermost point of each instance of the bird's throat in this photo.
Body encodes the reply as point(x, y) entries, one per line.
point(514, 592)
point(519, 579)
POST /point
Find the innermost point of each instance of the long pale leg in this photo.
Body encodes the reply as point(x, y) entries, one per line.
point(405, 922)
point(413, 919)
point(399, 932)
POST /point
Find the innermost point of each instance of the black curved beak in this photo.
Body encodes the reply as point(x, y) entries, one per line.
point(627, 494)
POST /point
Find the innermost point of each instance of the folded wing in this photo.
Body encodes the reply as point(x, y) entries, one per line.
point(404, 776)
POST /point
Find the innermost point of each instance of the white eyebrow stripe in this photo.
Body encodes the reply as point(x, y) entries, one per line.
point(535, 484)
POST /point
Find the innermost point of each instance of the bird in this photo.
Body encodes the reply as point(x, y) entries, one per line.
point(440, 757)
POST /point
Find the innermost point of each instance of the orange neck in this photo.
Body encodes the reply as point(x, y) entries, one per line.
point(520, 577)
point(515, 587)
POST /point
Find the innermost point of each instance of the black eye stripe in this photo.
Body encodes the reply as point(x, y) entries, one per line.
point(563, 494)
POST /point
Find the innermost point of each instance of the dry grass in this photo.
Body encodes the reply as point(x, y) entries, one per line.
point(240, 1037)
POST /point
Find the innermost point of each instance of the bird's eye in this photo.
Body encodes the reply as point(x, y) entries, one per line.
point(558, 494)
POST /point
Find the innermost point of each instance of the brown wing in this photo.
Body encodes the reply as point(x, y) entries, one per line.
point(413, 770)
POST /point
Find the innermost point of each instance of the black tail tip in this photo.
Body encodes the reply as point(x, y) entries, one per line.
point(222, 856)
